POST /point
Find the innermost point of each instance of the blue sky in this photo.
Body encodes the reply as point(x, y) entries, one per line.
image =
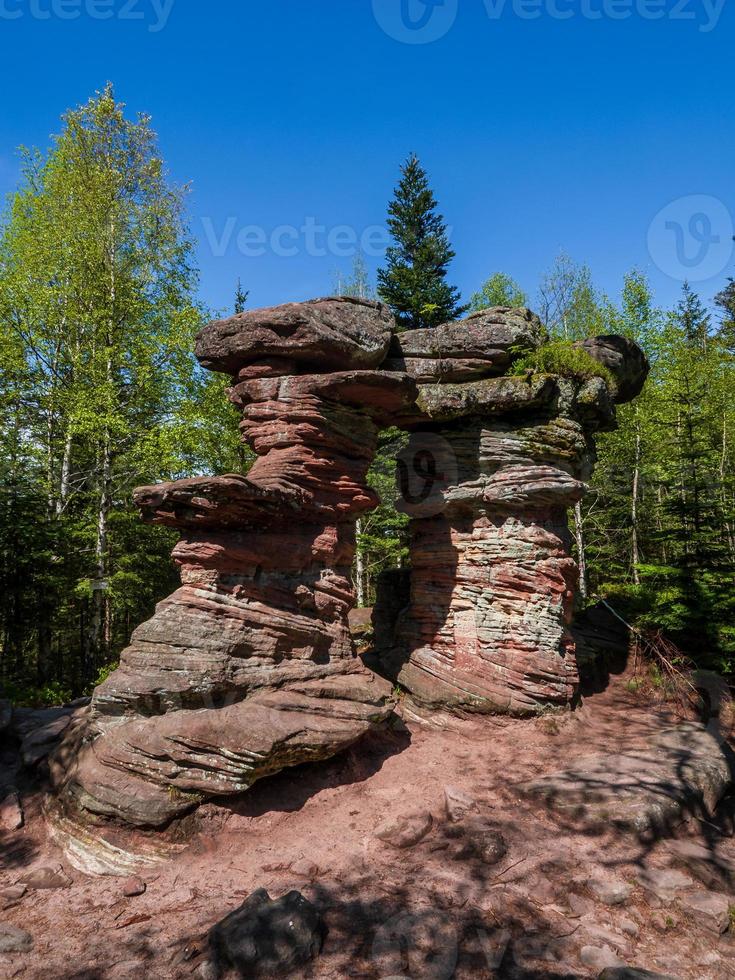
point(539, 133)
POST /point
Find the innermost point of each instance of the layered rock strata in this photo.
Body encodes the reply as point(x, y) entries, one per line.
point(249, 667)
point(491, 470)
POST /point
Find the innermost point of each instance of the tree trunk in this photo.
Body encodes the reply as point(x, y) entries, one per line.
point(63, 496)
point(581, 551)
point(360, 569)
point(96, 632)
point(636, 554)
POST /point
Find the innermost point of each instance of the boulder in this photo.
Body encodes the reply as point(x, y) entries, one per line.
point(495, 334)
point(610, 891)
point(710, 910)
point(624, 359)
point(405, 829)
point(600, 957)
point(268, 938)
point(645, 789)
point(45, 879)
point(37, 745)
point(13, 940)
point(133, 887)
point(331, 334)
point(458, 803)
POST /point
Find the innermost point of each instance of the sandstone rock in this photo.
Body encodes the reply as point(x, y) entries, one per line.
point(485, 343)
point(458, 803)
point(629, 927)
point(427, 940)
point(600, 957)
point(250, 666)
point(666, 885)
point(579, 905)
point(13, 893)
point(601, 936)
point(149, 771)
point(11, 811)
point(41, 879)
point(710, 909)
point(329, 334)
point(265, 937)
point(610, 891)
point(39, 743)
point(486, 844)
point(624, 359)
point(14, 940)
point(488, 478)
point(134, 886)
point(710, 866)
point(405, 830)
point(642, 790)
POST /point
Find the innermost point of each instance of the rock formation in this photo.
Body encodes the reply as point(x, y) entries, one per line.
point(491, 470)
point(250, 667)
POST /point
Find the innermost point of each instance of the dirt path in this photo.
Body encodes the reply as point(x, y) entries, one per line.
point(313, 829)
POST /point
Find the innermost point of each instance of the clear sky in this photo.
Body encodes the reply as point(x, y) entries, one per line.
point(540, 131)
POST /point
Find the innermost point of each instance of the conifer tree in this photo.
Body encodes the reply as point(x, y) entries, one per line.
point(241, 298)
point(414, 281)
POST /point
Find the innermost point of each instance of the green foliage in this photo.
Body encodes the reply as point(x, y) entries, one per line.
point(33, 696)
point(413, 283)
point(357, 284)
point(563, 358)
point(382, 540)
point(498, 290)
point(99, 392)
point(241, 298)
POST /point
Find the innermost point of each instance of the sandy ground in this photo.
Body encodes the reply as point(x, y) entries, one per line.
point(313, 829)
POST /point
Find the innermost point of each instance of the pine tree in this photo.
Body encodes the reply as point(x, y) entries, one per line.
point(414, 282)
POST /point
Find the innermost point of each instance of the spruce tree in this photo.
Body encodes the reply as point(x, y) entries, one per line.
point(414, 282)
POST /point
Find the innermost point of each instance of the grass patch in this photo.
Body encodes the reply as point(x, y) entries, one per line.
point(564, 359)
